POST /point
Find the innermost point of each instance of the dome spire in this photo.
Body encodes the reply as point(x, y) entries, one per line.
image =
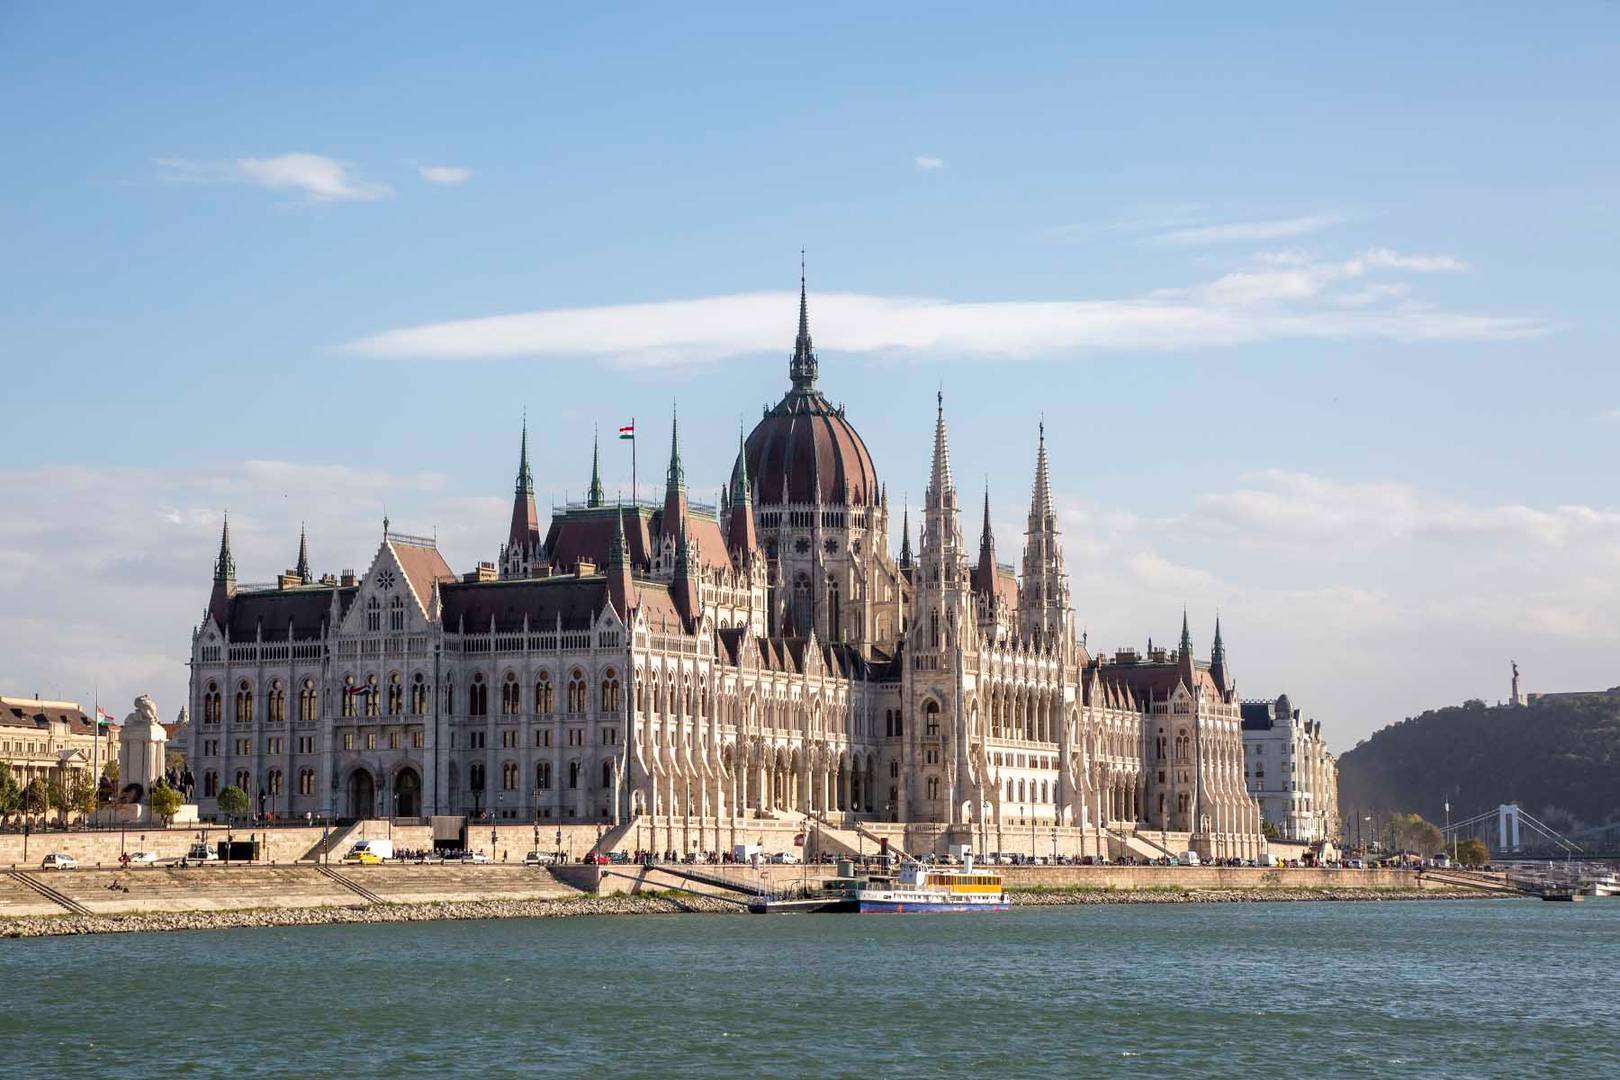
point(802, 370)
point(302, 569)
point(593, 495)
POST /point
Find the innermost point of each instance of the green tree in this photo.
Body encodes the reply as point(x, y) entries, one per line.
point(173, 760)
point(1412, 833)
point(110, 771)
point(1269, 830)
point(10, 791)
point(81, 793)
point(1473, 852)
point(34, 798)
point(232, 801)
point(56, 793)
point(164, 800)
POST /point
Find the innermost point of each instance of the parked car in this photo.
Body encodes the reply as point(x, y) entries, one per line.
point(142, 858)
point(59, 860)
point(596, 858)
point(199, 853)
point(785, 858)
point(540, 858)
point(475, 857)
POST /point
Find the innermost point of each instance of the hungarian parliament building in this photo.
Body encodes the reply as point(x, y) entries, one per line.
point(708, 674)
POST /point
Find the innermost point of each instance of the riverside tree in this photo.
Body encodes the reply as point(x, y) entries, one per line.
point(232, 801)
point(81, 793)
point(165, 801)
point(34, 799)
point(1473, 852)
point(10, 791)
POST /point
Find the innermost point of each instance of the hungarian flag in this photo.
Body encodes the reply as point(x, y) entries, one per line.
point(628, 431)
point(103, 717)
point(353, 690)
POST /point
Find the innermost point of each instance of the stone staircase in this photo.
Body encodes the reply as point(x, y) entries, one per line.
point(334, 844)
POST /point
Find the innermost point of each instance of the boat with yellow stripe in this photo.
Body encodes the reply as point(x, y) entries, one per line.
point(919, 888)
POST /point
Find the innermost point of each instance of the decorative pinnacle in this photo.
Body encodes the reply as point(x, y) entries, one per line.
point(1186, 635)
point(677, 473)
point(986, 541)
point(593, 496)
point(740, 495)
point(939, 481)
point(525, 479)
point(302, 569)
point(225, 565)
point(802, 369)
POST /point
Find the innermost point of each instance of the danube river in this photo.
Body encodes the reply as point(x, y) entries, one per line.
point(1467, 989)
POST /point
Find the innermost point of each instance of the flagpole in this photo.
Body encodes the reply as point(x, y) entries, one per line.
point(633, 500)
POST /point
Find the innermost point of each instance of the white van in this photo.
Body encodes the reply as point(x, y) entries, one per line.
point(1268, 859)
point(1189, 858)
point(370, 851)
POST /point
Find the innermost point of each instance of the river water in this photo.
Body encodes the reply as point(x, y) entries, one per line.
point(1465, 989)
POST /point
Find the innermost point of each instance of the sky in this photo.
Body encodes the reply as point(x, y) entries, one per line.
point(1317, 305)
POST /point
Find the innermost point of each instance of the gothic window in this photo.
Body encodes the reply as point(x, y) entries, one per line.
point(210, 783)
point(306, 782)
point(244, 704)
point(573, 774)
point(578, 697)
point(610, 691)
point(348, 695)
point(802, 546)
point(831, 547)
point(244, 780)
point(373, 696)
point(478, 697)
point(308, 702)
point(276, 706)
point(396, 613)
point(211, 709)
point(396, 695)
point(418, 694)
point(607, 774)
point(931, 718)
point(933, 629)
point(511, 696)
point(542, 775)
point(894, 770)
point(373, 614)
point(509, 776)
point(933, 787)
point(272, 782)
point(475, 777)
point(545, 697)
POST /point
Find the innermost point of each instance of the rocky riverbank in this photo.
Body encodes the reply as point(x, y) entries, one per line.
point(1054, 897)
point(642, 904)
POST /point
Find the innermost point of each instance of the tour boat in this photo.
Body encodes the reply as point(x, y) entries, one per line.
point(1601, 885)
point(933, 888)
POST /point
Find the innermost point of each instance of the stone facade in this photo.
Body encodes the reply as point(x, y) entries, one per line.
point(1290, 772)
point(688, 669)
point(52, 739)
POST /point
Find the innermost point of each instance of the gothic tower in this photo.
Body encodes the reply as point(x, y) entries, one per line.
point(1043, 595)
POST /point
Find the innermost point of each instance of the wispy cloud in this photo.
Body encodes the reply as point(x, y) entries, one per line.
point(1282, 297)
point(449, 175)
point(317, 177)
point(928, 161)
point(1245, 231)
point(1610, 416)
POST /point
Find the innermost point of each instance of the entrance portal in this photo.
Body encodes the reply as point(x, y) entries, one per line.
point(407, 794)
point(362, 794)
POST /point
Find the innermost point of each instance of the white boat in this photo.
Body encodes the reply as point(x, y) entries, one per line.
point(1601, 885)
point(919, 888)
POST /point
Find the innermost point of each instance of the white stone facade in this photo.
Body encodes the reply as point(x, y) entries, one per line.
point(1290, 772)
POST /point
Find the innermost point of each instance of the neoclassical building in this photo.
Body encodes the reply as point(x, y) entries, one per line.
point(1291, 774)
point(706, 673)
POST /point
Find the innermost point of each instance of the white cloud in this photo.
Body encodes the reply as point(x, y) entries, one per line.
point(449, 175)
point(1610, 416)
point(1282, 296)
point(1246, 231)
point(927, 162)
point(317, 177)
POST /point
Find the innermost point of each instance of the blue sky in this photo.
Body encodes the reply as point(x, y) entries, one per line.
point(1318, 304)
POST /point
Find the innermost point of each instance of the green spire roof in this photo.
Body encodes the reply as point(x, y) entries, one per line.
point(593, 496)
point(677, 473)
point(525, 479)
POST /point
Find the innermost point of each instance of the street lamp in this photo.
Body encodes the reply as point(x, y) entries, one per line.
point(534, 807)
point(493, 835)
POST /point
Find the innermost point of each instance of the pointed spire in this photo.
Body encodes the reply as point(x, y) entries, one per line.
point(302, 568)
point(674, 520)
point(525, 479)
point(939, 479)
point(802, 370)
point(984, 574)
point(677, 472)
point(618, 550)
point(1040, 506)
point(987, 542)
point(1186, 635)
point(225, 565)
point(740, 536)
point(1217, 658)
point(905, 536)
point(739, 491)
point(593, 495)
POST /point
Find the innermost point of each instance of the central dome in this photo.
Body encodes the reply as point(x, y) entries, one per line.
point(804, 451)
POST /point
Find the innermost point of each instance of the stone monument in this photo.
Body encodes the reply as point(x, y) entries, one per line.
point(142, 746)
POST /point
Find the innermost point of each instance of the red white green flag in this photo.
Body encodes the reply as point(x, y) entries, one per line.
point(628, 431)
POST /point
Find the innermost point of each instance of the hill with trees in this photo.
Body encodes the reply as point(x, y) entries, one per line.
point(1558, 758)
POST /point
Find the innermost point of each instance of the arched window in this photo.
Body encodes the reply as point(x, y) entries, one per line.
point(478, 697)
point(509, 775)
point(244, 780)
point(607, 773)
point(373, 696)
point(578, 696)
point(475, 777)
point(545, 695)
point(511, 696)
point(349, 692)
point(396, 613)
point(276, 706)
point(418, 694)
point(931, 718)
point(210, 783)
point(542, 775)
point(306, 782)
point(211, 709)
point(933, 787)
point(244, 704)
point(309, 703)
point(396, 694)
point(272, 782)
point(610, 691)
point(373, 615)
point(573, 774)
